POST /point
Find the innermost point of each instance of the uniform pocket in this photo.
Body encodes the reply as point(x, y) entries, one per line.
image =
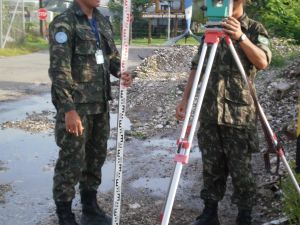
point(84, 66)
point(88, 93)
point(238, 103)
point(85, 41)
point(87, 73)
point(235, 113)
point(236, 90)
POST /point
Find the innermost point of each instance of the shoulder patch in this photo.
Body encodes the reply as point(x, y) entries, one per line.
point(61, 37)
point(62, 24)
point(262, 39)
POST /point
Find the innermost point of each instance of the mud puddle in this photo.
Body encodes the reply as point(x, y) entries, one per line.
point(27, 162)
point(29, 159)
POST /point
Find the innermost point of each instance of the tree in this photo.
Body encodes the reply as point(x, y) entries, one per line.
point(281, 17)
point(138, 6)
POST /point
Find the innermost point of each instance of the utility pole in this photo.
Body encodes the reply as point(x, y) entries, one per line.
point(23, 19)
point(149, 30)
point(1, 23)
point(41, 21)
point(169, 19)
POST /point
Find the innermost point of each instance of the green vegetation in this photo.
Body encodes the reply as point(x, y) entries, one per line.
point(279, 60)
point(281, 17)
point(138, 6)
point(138, 135)
point(157, 41)
point(29, 45)
point(291, 201)
point(284, 50)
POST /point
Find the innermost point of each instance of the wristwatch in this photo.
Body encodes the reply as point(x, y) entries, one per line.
point(242, 38)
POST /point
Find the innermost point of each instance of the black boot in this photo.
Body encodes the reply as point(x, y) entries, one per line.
point(91, 212)
point(64, 213)
point(244, 217)
point(209, 215)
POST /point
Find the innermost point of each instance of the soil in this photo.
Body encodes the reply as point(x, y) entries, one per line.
point(149, 151)
point(3, 187)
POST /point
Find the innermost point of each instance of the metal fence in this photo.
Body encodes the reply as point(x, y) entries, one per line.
point(17, 17)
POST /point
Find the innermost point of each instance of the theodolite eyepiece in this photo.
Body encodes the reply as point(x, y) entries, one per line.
point(217, 10)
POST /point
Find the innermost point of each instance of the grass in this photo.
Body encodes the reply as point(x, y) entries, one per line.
point(282, 58)
point(279, 60)
point(291, 201)
point(138, 135)
point(157, 41)
point(30, 44)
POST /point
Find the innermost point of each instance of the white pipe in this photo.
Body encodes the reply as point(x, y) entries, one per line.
point(202, 94)
point(263, 115)
point(295, 182)
point(169, 21)
point(1, 23)
point(178, 169)
point(172, 194)
point(11, 22)
point(193, 92)
point(23, 18)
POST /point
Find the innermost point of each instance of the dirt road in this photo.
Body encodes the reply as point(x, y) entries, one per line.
point(28, 74)
point(28, 151)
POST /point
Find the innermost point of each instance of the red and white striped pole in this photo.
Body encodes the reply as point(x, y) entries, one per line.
point(121, 116)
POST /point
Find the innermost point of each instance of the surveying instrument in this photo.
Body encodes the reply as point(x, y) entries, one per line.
point(216, 11)
point(116, 212)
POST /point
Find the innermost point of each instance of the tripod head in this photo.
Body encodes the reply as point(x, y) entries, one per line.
point(217, 10)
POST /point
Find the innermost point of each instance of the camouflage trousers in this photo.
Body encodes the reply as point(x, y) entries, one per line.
point(80, 158)
point(227, 151)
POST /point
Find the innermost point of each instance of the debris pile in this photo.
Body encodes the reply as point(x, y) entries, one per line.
point(34, 122)
point(167, 60)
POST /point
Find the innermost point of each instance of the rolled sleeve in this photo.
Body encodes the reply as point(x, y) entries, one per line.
point(262, 41)
point(266, 49)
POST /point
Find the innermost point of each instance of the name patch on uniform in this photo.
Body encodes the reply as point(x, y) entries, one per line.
point(263, 40)
point(61, 37)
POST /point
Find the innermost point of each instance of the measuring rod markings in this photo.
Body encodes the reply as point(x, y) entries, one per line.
point(121, 115)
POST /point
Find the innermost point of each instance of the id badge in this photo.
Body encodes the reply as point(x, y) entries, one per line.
point(99, 57)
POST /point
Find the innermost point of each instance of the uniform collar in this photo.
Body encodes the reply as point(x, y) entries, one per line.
point(244, 20)
point(78, 11)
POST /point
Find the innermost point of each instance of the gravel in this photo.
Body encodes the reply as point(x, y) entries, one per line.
point(34, 122)
point(158, 87)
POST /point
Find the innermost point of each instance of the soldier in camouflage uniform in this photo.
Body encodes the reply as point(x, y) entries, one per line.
point(82, 57)
point(227, 134)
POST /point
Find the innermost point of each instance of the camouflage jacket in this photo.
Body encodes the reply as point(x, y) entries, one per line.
point(78, 82)
point(227, 100)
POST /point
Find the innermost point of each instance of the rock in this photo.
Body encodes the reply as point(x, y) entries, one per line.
point(291, 130)
point(134, 206)
point(281, 90)
point(280, 221)
point(159, 126)
point(167, 60)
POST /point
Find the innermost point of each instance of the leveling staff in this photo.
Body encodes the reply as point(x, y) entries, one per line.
point(228, 135)
point(82, 57)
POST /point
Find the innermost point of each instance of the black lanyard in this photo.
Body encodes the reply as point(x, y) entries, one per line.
point(93, 24)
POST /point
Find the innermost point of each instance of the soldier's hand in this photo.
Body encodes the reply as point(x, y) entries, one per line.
point(180, 110)
point(73, 123)
point(126, 79)
point(233, 27)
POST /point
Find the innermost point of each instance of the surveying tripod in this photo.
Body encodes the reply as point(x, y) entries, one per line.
point(213, 36)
